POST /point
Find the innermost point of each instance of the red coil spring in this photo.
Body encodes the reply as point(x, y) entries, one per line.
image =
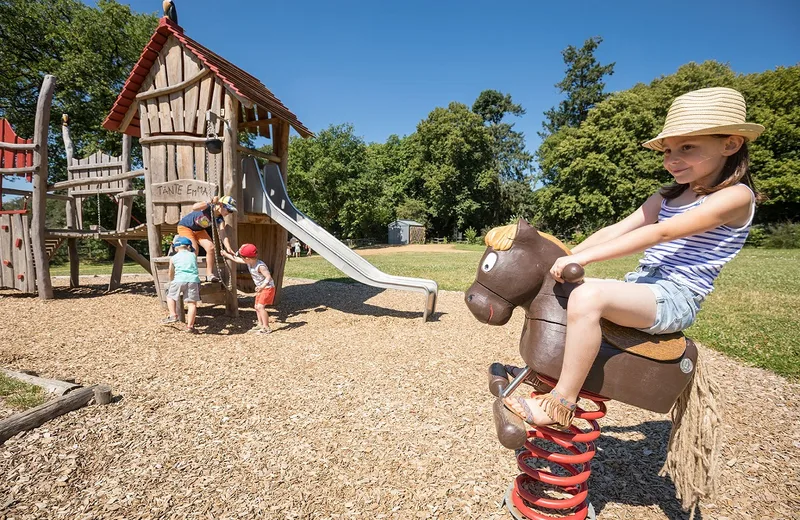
point(576, 463)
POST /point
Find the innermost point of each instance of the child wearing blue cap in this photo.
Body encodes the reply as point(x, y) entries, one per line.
point(184, 280)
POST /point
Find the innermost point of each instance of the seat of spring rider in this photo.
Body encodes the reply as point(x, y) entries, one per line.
point(633, 367)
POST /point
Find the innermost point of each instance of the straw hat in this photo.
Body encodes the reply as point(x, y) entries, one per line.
point(707, 111)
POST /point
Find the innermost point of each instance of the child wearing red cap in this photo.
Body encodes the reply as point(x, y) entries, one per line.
point(265, 286)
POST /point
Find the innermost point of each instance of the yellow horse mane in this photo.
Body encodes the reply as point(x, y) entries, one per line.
point(502, 238)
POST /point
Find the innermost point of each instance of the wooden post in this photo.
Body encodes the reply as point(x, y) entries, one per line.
point(72, 210)
point(231, 186)
point(153, 235)
point(123, 216)
point(280, 145)
point(39, 204)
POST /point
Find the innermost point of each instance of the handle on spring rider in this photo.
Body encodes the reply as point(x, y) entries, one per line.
point(573, 273)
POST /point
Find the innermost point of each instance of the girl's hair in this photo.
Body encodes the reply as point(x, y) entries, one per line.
point(735, 170)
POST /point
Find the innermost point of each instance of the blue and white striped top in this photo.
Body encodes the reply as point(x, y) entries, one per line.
point(696, 261)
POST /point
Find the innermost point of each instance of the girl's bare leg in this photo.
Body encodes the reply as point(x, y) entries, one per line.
point(190, 316)
point(208, 245)
point(627, 304)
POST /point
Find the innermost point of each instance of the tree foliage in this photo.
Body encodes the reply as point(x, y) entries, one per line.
point(583, 84)
point(598, 173)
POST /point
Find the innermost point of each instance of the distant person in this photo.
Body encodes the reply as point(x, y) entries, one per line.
point(288, 250)
point(297, 249)
point(308, 250)
point(196, 226)
point(265, 286)
point(184, 280)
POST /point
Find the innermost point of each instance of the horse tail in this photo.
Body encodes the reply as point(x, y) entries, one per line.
point(695, 441)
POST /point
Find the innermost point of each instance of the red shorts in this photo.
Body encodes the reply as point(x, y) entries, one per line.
point(265, 296)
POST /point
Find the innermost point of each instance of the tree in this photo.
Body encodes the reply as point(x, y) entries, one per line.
point(598, 173)
point(583, 85)
point(330, 182)
point(453, 154)
point(90, 51)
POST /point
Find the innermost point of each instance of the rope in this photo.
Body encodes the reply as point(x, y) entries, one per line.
point(695, 442)
point(98, 211)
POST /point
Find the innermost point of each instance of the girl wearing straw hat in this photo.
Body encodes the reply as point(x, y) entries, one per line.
point(688, 231)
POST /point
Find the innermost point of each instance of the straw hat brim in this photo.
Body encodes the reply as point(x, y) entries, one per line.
point(747, 130)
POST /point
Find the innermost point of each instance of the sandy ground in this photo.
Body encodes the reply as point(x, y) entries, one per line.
point(411, 248)
point(352, 408)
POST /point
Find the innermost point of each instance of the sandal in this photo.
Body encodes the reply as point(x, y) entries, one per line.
point(558, 409)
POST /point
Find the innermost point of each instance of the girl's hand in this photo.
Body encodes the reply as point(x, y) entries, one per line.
point(561, 263)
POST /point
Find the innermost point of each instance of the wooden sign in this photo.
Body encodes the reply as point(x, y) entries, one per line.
point(184, 190)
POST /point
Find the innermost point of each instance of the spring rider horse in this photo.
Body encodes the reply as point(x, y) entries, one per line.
point(657, 373)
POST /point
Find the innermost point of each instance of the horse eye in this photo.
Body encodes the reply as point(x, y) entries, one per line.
point(489, 262)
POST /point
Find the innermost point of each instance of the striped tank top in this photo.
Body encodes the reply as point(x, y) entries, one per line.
point(696, 261)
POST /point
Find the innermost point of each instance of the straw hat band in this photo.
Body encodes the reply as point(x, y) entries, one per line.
point(707, 111)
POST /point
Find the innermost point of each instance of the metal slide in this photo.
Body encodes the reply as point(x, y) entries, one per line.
point(266, 193)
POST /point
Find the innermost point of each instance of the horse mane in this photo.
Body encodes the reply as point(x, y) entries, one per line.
point(502, 238)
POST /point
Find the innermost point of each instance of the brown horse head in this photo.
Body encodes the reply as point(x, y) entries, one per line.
point(513, 270)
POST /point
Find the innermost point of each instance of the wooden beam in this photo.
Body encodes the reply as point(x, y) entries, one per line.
point(142, 96)
point(174, 138)
point(25, 193)
point(131, 253)
point(260, 155)
point(35, 417)
point(18, 146)
point(81, 167)
point(14, 171)
point(132, 193)
point(232, 185)
point(51, 386)
point(96, 180)
point(257, 124)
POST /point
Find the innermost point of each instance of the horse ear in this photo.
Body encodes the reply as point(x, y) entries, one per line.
point(526, 230)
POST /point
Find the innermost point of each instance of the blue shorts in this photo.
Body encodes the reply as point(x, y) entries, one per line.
point(676, 304)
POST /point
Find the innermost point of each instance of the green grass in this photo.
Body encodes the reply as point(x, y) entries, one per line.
point(101, 268)
point(20, 395)
point(752, 314)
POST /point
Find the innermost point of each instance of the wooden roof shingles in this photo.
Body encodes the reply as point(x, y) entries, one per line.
point(235, 79)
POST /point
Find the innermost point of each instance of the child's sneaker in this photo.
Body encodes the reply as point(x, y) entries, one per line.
point(255, 330)
point(190, 330)
point(169, 320)
point(264, 330)
point(212, 279)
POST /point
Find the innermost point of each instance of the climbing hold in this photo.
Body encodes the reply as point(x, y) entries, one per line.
point(18, 243)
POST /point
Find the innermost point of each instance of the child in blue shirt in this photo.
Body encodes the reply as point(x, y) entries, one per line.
point(184, 280)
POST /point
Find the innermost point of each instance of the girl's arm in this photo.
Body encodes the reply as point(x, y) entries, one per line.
point(727, 205)
point(223, 238)
point(647, 213)
point(200, 206)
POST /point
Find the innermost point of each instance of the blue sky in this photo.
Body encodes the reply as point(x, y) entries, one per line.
point(384, 66)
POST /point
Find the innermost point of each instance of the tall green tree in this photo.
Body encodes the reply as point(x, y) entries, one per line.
point(453, 153)
point(330, 181)
point(90, 51)
point(583, 85)
point(598, 173)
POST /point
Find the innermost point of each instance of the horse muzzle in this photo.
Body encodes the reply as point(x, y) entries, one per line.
point(487, 306)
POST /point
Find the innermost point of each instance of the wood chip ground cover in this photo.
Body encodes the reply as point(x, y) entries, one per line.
point(352, 408)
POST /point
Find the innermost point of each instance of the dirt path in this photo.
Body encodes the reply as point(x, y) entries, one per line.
point(353, 408)
point(411, 248)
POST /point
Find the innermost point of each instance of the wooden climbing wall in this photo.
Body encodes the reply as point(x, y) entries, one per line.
point(16, 257)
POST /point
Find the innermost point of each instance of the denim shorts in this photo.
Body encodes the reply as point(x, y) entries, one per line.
point(676, 304)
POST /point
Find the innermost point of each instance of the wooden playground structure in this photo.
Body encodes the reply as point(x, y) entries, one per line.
point(187, 106)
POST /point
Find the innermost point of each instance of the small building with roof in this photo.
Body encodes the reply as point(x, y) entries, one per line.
point(406, 232)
